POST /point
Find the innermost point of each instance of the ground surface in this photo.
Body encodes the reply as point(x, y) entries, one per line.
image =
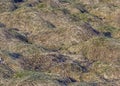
point(59, 42)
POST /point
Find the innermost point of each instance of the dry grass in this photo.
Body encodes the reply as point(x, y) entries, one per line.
point(77, 39)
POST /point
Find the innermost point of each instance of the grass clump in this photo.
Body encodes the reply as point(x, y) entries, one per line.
point(21, 74)
point(41, 5)
point(100, 48)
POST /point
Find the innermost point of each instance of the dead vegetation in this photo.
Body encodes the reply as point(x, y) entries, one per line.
point(59, 42)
